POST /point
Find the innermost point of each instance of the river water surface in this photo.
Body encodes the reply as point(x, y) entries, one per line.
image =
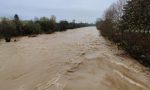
point(79, 59)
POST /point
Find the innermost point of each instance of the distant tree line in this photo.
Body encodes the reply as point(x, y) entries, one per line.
point(15, 27)
point(126, 23)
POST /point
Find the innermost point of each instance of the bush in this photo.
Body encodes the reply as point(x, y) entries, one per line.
point(16, 27)
point(130, 29)
point(47, 25)
point(31, 28)
point(18, 24)
point(8, 29)
point(52, 23)
point(63, 25)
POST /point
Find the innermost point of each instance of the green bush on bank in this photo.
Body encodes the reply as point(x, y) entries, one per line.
point(15, 27)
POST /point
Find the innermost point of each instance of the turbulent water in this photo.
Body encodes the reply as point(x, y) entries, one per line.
point(78, 59)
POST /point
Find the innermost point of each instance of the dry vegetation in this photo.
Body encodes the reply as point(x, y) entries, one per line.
point(127, 24)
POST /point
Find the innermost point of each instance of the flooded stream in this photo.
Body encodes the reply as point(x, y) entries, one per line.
point(78, 59)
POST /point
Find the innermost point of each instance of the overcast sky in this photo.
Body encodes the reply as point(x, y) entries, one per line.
point(80, 10)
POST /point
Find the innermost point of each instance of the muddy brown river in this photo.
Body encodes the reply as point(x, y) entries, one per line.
point(79, 59)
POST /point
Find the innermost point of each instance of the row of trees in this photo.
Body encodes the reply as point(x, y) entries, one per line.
point(15, 27)
point(136, 16)
point(127, 23)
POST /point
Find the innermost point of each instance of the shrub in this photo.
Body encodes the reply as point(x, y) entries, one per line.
point(8, 29)
point(18, 24)
point(129, 28)
point(31, 28)
point(16, 27)
point(63, 25)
